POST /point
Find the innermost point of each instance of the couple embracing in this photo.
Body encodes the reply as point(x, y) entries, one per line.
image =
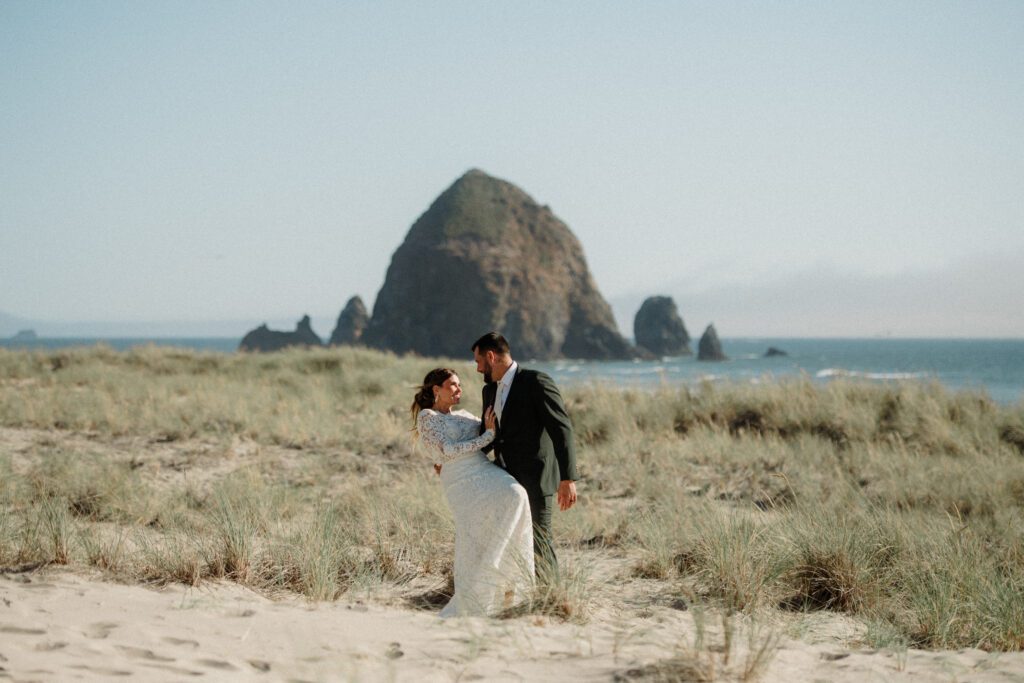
point(502, 514)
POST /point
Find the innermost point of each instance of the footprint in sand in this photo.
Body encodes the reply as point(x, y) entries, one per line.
point(101, 671)
point(99, 630)
point(41, 587)
point(173, 669)
point(6, 628)
point(217, 664)
point(180, 641)
point(834, 656)
point(141, 653)
point(49, 647)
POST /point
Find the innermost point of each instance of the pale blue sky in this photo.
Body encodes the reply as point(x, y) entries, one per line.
point(812, 168)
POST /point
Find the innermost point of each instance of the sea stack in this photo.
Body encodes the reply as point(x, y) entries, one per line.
point(485, 256)
point(658, 328)
point(265, 339)
point(709, 347)
point(351, 323)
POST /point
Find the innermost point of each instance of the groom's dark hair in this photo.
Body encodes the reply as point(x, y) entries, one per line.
point(492, 341)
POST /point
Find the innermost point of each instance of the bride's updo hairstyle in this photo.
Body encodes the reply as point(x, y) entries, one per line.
point(424, 397)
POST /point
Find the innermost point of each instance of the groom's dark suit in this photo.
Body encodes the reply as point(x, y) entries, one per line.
point(534, 441)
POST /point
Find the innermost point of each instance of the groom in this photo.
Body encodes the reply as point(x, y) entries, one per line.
point(534, 438)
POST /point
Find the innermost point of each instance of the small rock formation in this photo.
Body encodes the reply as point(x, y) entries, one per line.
point(772, 352)
point(485, 256)
point(709, 347)
point(265, 339)
point(351, 323)
point(658, 328)
point(25, 336)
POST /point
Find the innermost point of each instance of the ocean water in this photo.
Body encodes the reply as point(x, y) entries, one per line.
point(993, 366)
point(223, 344)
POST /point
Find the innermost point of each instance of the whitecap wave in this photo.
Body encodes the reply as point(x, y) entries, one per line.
point(841, 372)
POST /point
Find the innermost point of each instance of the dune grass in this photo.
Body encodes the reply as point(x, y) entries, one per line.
point(901, 505)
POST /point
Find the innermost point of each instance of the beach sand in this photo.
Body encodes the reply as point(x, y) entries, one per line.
point(59, 625)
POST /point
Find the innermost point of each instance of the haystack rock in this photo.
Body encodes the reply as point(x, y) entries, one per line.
point(485, 256)
point(658, 328)
point(774, 352)
point(709, 347)
point(351, 323)
point(265, 339)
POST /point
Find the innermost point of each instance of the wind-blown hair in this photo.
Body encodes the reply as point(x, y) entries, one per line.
point(424, 397)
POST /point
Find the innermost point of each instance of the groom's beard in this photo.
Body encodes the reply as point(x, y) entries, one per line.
point(487, 377)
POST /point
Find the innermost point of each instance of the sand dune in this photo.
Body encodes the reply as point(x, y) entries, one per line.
point(262, 481)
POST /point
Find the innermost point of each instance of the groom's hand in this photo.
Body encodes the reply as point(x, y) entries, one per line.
point(566, 494)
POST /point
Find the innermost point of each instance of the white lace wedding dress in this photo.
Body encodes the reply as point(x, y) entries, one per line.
point(493, 528)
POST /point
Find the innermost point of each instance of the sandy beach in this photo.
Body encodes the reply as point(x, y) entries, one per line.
point(59, 625)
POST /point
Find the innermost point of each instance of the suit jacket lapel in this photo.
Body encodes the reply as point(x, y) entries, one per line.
point(513, 395)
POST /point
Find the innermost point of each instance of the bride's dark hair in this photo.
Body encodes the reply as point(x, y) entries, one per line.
point(424, 397)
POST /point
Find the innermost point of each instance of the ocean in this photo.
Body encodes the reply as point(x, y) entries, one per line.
point(992, 366)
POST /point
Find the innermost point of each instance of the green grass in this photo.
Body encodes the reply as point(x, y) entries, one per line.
point(900, 505)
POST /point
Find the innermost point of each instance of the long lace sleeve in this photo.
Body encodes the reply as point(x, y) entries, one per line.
point(432, 432)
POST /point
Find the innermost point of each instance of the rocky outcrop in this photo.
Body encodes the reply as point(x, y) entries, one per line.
point(351, 323)
point(773, 352)
point(658, 328)
point(485, 256)
point(709, 347)
point(25, 336)
point(265, 339)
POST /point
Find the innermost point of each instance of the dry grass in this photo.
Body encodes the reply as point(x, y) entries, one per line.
point(731, 650)
point(901, 505)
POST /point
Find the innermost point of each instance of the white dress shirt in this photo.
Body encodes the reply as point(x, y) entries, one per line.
point(504, 384)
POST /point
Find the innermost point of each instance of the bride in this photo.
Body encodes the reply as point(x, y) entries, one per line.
point(493, 528)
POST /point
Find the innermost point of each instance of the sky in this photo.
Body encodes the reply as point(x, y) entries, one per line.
point(778, 168)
